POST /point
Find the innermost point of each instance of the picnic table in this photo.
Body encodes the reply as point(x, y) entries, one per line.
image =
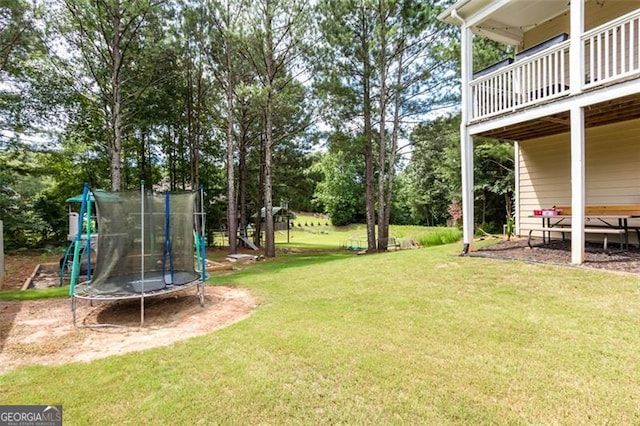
point(603, 220)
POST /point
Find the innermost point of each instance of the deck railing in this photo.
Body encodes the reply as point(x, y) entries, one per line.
point(611, 52)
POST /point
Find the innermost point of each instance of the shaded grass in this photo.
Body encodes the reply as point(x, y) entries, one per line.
point(418, 337)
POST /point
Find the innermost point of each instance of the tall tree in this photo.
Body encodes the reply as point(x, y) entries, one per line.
point(415, 54)
point(278, 29)
point(345, 75)
point(222, 23)
point(388, 58)
point(107, 35)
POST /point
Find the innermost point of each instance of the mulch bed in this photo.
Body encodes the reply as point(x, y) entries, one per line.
point(559, 252)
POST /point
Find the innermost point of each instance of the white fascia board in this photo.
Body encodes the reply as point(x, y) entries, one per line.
point(446, 15)
point(584, 100)
point(484, 13)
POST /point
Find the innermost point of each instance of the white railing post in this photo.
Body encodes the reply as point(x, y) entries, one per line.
point(612, 50)
point(576, 63)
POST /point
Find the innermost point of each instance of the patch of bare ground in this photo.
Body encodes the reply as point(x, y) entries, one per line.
point(42, 332)
point(559, 252)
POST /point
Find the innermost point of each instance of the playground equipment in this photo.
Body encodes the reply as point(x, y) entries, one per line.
point(145, 248)
point(84, 221)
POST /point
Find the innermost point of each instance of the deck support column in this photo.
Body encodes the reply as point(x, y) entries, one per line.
point(466, 141)
point(576, 80)
point(577, 185)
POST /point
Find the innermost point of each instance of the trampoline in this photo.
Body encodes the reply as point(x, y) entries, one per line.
point(149, 244)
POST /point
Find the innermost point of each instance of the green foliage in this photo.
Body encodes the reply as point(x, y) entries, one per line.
point(21, 185)
point(487, 52)
point(432, 177)
point(440, 237)
point(341, 190)
point(494, 180)
point(173, 112)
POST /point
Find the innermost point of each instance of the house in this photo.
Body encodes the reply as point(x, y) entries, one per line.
point(569, 99)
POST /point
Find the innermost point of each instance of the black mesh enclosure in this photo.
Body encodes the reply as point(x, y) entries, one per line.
point(132, 261)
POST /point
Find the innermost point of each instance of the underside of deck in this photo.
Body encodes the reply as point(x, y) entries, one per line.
point(616, 110)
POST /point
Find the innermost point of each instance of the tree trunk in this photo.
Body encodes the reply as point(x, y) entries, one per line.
point(116, 105)
point(232, 205)
point(368, 139)
point(383, 226)
point(197, 132)
point(142, 172)
point(270, 247)
point(393, 152)
point(243, 175)
point(190, 113)
point(258, 222)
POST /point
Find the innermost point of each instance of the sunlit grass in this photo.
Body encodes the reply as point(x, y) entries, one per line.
point(439, 237)
point(409, 337)
point(35, 294)
point(309, 232)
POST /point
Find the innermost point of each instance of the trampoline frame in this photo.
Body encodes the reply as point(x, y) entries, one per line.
point(78, 291)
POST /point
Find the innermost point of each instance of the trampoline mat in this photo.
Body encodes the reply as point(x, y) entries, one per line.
point(132, 284)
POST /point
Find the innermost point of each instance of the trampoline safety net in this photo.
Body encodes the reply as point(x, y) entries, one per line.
point(145, 243)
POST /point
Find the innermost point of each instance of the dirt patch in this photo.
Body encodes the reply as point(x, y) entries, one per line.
point(559, 252)
point(19, 267)
point(42, 332)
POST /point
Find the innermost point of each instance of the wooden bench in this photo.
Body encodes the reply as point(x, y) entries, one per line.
point(625, 210)
point(602, 231)
point(621, 210)
point(594, 212)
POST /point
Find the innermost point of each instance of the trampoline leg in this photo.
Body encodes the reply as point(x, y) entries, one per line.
point(201, 294)
point(141, 311)
point(73, 310)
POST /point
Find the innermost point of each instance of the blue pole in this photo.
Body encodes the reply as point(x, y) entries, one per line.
point(203, 252)
point(167, 237)
point(87, 249)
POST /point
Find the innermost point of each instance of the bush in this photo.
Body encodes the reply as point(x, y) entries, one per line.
point(440, 237)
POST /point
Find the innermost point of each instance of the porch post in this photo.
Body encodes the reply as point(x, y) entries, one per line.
point(576, 48)
point(516, 189)
point(466, 141)
point(467, 189)
point(576, 81)
point(577, 185)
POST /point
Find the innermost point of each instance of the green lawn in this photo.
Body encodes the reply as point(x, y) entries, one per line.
point(409, 337)
point(309, 233)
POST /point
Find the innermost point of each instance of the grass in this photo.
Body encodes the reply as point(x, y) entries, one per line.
point(35, 294)
point(309, 232)
point(439, 237)
point(417, 337)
